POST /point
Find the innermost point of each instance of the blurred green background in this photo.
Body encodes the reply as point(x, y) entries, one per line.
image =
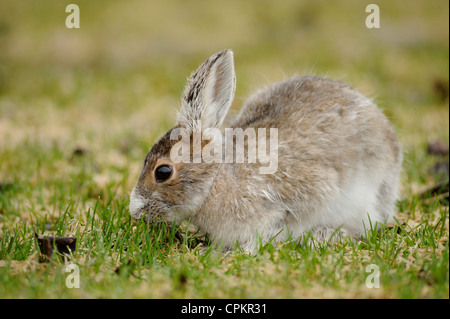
point(115, 83)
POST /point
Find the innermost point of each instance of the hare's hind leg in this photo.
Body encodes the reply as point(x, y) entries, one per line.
point(386, 197)
point(329, 234)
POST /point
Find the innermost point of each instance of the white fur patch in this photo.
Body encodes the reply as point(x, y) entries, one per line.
point(137, 203)
point(352, 208)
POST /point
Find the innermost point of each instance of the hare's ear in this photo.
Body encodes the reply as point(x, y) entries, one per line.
point(209, 93)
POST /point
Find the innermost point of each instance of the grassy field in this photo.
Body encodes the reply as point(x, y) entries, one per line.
point(79, 109)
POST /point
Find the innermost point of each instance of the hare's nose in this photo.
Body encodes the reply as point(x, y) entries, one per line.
point(137, 203)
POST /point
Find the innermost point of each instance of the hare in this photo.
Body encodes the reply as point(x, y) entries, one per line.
point(338, 162)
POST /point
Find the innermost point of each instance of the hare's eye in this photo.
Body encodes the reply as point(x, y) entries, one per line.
point(162, 173)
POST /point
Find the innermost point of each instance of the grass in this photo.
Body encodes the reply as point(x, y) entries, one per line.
point(79, 109)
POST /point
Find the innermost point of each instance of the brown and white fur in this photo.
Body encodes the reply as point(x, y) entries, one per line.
point(338, 163)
